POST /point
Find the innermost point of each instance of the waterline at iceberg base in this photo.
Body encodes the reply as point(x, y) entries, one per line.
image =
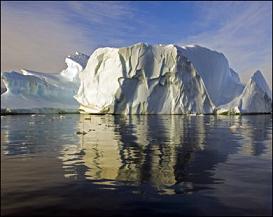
point(140, 79)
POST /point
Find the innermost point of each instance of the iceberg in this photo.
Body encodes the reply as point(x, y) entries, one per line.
point(34, 92)
point(139, 79)
point(142, 79)
point(255, 98)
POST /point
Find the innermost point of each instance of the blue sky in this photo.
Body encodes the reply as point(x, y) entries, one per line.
point(38, 35)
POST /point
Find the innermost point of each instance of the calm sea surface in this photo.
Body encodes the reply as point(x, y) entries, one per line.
point(150, 165)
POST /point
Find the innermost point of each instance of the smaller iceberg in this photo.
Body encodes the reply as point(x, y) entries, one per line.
point(37, 92)
point(255, 98)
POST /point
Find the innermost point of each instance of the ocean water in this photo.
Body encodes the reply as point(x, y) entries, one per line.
point(154, 165)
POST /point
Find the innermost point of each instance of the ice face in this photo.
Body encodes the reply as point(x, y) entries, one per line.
point(222, 83)
point(142, 79)
point(29, 91)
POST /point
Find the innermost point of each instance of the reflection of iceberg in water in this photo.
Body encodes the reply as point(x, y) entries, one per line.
point(31, 134)
point(96, 157)
point(255, 132)
point(101, 148)
point(175, 154)
point(134, 149)
point(139, 157)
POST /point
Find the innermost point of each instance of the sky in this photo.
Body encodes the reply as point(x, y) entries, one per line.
point(39, 35)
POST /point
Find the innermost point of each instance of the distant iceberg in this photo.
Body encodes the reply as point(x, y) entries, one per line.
point(255, 98)
point(36, 92)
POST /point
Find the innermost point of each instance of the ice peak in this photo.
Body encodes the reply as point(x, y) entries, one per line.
point(79, 58)
point(258, 78)
point(260, 81)
point(258, 75)
point(142, 44)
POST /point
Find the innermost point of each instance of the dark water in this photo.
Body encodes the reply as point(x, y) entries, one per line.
point(136, 165)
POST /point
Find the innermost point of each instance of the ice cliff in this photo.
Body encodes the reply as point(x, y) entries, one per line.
point(139, 79)
point(142, 79)
point(222, 83)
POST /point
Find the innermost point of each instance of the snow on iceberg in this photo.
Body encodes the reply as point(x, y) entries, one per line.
point(255, 98)
point(30, 91)
point(142, 79)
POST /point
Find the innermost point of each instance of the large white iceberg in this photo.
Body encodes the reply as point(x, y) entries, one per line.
point(140, 79)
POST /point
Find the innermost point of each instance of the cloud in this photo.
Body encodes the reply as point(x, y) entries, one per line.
point(241, 30)
point(100, 12)
point(40, 35)
point(36, 39)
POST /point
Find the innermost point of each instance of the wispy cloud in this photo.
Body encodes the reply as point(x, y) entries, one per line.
point(100, 12)
point(38, 35)
point(243, 32)
point(37, 39)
